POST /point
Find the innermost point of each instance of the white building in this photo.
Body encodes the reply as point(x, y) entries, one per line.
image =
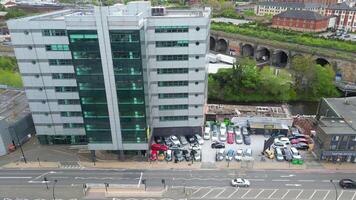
point(110, 76)
point(274, 8)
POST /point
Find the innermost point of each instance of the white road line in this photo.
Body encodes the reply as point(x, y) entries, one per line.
point(342, 191)
point(196, 191)
point(259, 193)
point(237, 189)
point(245, 193)
point(353, 197)
point(275, 190)
point(206, 194)
point(15, 177)
point(280, 180)
point(285, 194)
point(257, 179)
point(139, 181)
point(295, 185)
point(220, 193)
point(306, 180)
point(299, 194)
point(326, 195)
point(312, 194)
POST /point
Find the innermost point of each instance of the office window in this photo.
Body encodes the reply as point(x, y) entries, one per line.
point(172, 83)
point(65, 89)
point(171, 57)
point(54, 32)
point(172, 71)
point(63, 76)
point(179, 43)
point(172, 29)
point(72, 125)
point(33, 62)
point(124, 37)
point(86, 55)
point(125, 55)
point(68, 101)
point(83, 37)
point(173, 95)
point(173, 118)
point(335, 138)
point(60, 62)
point(173, 107)
point(57, 47)
point(71, 114)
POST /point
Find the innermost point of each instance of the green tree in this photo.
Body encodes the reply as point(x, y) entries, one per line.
point(322, 84)
point(303, 71)
point(250, 76)
point(276, 83)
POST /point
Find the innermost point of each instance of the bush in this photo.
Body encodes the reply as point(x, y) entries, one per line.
point(10, 78)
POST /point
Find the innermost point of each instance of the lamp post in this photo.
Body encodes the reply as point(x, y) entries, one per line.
point(54, 185)
point(19, 143)
point(336, 194)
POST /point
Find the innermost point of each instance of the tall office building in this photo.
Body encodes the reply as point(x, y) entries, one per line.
point(112, 76)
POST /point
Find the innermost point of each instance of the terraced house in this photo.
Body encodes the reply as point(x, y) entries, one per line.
point(112, 76)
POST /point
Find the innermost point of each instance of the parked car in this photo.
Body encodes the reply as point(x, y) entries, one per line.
point(199, 139)
point(294, 130)
point(178, 155)
point(238, 154)
point(215, 136)
point(187, 155)
point(175, 140)
point(298, 140)
point(197, 154)
point(230, 154)
point(244, 131)
point(301, 146)
point(296, 136)
point(295, 153)
point(278, 154)
point(217, 145)
point(222, 132)
point(248, 152)
point(153, 155)
point(168, 155)
point(161, 156)
point(182, 140)
point(240, 182)
point(347, 183)
point(284, 140)
point(278, 144)
point(220, 155)
point(159, 147)
point(168, 141)
point(238, 136)
point(195, 146)
point(207, 131)
point(230, 138)
point(287, 154)
point(158, 139)
point(247, 139)
point(191, 139)
point(269, 154)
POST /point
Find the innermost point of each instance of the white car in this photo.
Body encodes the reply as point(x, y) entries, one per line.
point(199, 139)
point(238, 137)
point(175, 140)
point(244, 131)
point(283, 140)
point(195, 147)
point(223, 132)
point(220, 155)
point(197, 155)
point(279, 144)
point(214, 136)
point(238, 155)
point(240, 182)
point(207, 131)
point(295, 153)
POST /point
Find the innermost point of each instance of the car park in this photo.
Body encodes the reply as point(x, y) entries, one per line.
point(238, 136)
point(295, 153)
point(158, 139)
point(217, 145)
point(199, 139)
point(178, 155)
point(269, 154)
point(153, 155)
point(222, 136)
point(247, 139)
point(238, 154)
point(240, 182)
point(287, 154)
point(278, 154)
point(220, 155)
point(214, 136)
point(168, 155)
point(187, 155)
point(301, 146)
point(191, 139)
point(175, 140)
point(347, 183)
point(230, 138)
point(182, 140)
point(230, 154)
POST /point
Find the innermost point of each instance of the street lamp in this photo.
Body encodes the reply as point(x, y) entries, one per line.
point(19, 143)
point(54, 184)
point(336, 195)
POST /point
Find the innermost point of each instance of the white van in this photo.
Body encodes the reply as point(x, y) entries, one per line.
point(295, 153)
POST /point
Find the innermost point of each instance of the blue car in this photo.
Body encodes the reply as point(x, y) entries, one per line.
point(230, 154)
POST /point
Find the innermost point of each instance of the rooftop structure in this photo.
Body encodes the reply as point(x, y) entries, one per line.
point(13, 105)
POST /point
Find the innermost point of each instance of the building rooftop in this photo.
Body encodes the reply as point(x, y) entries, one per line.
point(13, 105)
point(301, 14)
point(293, 5)
point(341, 6)
point(337, 126)
point(345, 109)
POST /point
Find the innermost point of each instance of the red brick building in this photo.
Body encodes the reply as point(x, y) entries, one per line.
point(301, 20)
point(345, 16)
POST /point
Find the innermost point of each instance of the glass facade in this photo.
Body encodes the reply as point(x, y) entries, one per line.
point(126, 51)
point(85, 50)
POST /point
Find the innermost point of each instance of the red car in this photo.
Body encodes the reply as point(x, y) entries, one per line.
point(159, 147)
point(153, 155)
point(296, 141)
point(230, 138)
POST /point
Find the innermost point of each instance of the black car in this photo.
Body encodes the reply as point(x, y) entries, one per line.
point(347, 183)
point(158, 139)
point(178, 155)
point(247, 139)
point(187, 155)
point(287, 154)
point(191, 139)
point(168, 141)
point(217, 145)
point(301, 146)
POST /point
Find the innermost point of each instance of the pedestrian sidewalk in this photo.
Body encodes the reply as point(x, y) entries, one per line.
point(31, 165)
point(141, 165)
point(339, 166)
point(111, 192)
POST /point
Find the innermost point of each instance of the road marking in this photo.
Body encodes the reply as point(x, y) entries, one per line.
point(353, 197)
point(245, 193)
point(139, 181)
point(257, 179)
point(295, 185)
point(312, 194)
point(290, 175)
point(259, 193)
point(196, 191)
point(326, 195)
point(275, 190)
point(285, 194)
point(220, 193)
point(280, 180)
point(306, 180)
point(206, 194)
point(15, 177)
point(342, 191)
point(299, 194)
point(237, 189)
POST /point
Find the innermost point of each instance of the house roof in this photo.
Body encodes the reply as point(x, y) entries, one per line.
point(301, 14)
point(341, 6)
point(293, 5)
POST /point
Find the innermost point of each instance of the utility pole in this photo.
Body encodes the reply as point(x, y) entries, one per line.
point(54, 185)
point(336, 194)
point(20, 145)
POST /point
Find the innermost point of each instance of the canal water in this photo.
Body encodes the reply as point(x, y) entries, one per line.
point(295, 107)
